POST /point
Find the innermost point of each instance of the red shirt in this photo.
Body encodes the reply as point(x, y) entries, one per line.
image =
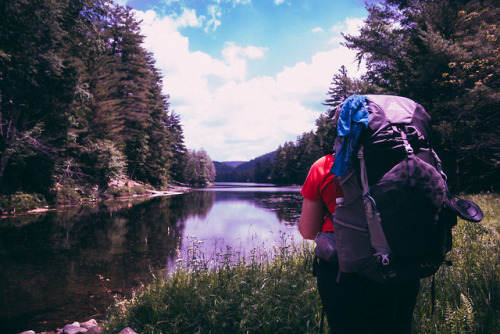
point(320, 185)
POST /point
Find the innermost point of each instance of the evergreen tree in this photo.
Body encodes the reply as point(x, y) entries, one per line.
point(200, 170)
point(285, 164)
point(79, 97)
point(341, 87)
point(133, 89)
point(262, 171)
point(308, 151)
point(36, 90)
point(159, 157)
point(444, 55)
point(179, 151)
point(129, 106)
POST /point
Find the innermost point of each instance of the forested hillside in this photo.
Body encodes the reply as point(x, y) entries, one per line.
point(256, 170)
point(81, 102)
point(444, 55)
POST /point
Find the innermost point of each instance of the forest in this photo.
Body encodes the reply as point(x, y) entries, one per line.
point(81, 100)
point(444, 55)
point(81, 103)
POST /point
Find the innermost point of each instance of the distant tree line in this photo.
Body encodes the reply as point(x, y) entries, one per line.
point(256, 170)
point(443, 54)
point(81, 101)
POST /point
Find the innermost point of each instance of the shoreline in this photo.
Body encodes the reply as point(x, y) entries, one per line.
point(91, 326)
point(148, 194)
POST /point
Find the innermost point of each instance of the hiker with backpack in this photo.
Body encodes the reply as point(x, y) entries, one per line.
point(380, 213)
point(351, 302)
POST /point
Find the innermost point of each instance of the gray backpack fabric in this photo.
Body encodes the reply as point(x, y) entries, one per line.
point(394, 224)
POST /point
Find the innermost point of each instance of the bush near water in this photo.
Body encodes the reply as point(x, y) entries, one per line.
point(274, 291)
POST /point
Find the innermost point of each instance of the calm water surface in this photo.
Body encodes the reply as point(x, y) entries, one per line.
point(65, 265)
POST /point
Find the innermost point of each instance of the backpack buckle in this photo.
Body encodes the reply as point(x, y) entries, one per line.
point(406, 143)
point(384, 259)
point(408, 148)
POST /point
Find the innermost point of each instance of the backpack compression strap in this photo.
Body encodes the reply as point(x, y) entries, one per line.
point(377, 236)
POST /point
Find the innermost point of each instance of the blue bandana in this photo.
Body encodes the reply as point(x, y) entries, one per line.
point(352, 121)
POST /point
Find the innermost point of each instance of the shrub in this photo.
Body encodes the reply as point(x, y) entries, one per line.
point(20, 201)
point(67, 195)
point(116, 192)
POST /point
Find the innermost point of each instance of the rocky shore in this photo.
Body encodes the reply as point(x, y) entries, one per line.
point(88, 327)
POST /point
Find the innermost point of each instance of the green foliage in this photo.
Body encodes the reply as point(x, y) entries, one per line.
point(267, 293)
point(20, 201)
point(292, 161)
point(200, 170)
point(76, 79)
point(341, 87)
point(67, 195)
point(284, 164)
point(179, 151)
point(468, 292)
point(104, 162)
point(256, 170)
point(117, 192)
point(262, 171)
point(444, 55)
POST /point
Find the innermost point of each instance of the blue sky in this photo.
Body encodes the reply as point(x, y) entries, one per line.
point(247, 75)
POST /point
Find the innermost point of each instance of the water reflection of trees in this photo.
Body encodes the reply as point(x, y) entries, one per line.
point(286, 205)
point(53, 259)
point(56, 258)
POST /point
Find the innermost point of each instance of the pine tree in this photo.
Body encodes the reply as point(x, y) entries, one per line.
point(444, 55)
point(179, 151)
point(341, 87)
point(133, 88)
point(308, 151)
point(36, 90)
point(285, 169)
point(159, 158)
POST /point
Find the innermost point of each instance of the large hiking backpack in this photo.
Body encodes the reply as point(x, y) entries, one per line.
point(395, 221)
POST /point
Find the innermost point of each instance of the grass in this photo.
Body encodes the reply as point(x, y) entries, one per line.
point(229, 294)
point(274, 292)
point(468, 292)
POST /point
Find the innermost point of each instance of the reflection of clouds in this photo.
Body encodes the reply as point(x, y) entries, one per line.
point(239, 224)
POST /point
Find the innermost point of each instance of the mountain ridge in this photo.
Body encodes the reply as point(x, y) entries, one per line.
point(255, 170)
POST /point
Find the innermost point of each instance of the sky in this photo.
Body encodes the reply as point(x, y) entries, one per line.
point(246, 76)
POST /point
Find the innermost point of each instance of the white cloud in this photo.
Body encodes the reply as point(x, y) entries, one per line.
point(231, 51)
point(351, 26)
point(278, 2)
point(230, 116)
point(188, 18)
point(317, 30)
point(214, 20)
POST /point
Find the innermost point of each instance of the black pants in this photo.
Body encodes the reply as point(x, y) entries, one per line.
point(355, 305)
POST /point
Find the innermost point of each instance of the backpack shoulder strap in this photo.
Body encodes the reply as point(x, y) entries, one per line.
point(377, 236)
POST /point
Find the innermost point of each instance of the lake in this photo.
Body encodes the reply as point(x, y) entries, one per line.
point(66, 265)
